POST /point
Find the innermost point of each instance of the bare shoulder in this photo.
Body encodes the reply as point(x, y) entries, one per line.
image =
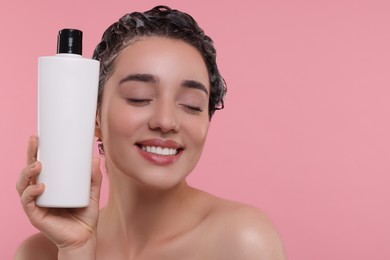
point(244, 232)
point(36, 246)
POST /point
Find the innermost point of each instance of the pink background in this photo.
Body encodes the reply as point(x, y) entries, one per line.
point(305, 134)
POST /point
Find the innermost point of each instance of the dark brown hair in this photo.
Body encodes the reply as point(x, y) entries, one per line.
point(165, 22)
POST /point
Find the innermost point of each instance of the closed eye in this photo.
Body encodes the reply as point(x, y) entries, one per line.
point(138, 101)
point(192, 108)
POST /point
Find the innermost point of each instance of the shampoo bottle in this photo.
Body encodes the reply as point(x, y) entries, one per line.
point(67, 99)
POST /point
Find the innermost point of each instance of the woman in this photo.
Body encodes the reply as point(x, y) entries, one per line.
point(159, 88)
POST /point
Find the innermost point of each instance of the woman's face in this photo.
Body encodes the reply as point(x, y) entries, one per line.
point(154, 114)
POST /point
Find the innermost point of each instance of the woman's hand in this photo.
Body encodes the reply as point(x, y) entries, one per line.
point(69, 229)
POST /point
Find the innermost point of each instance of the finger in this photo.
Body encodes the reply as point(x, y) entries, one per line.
point(29, 195)
point(96, 181)
point(27, 177)
point(32, 149)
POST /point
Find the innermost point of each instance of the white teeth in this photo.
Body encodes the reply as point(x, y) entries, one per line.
point(159, 150)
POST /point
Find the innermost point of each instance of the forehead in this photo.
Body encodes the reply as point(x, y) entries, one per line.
point(166, 58)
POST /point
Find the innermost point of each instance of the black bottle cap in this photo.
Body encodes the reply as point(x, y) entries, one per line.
point(70, 41)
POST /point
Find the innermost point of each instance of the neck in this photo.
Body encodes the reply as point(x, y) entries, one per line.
point(141, 215)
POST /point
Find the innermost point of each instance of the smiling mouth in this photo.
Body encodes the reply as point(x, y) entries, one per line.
point(159, 150)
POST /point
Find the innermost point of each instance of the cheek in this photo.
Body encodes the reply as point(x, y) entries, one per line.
point(114, 121)
point(198, 131)
point(121, 120)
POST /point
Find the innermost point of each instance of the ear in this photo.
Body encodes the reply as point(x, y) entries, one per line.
point(98, 131)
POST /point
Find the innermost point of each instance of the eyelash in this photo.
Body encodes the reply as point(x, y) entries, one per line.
point(192, 108)
point(136, 101)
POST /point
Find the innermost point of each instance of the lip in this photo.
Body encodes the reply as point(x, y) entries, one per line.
point(161, 160)
point(161, 142)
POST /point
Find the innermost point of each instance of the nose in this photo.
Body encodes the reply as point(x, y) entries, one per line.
point(164, 117)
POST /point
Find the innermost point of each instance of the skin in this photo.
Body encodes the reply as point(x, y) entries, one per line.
point(151, 212)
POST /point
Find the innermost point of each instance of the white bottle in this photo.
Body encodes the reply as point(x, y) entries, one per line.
point(67, 99)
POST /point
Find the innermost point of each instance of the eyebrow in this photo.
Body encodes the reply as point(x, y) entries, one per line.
point(149, 78)
point(195, 84)
point(140, 77)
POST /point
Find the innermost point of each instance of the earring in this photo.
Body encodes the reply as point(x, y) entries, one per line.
point(100, 146)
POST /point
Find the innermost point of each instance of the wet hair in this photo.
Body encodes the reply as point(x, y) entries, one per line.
point(160, 21)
